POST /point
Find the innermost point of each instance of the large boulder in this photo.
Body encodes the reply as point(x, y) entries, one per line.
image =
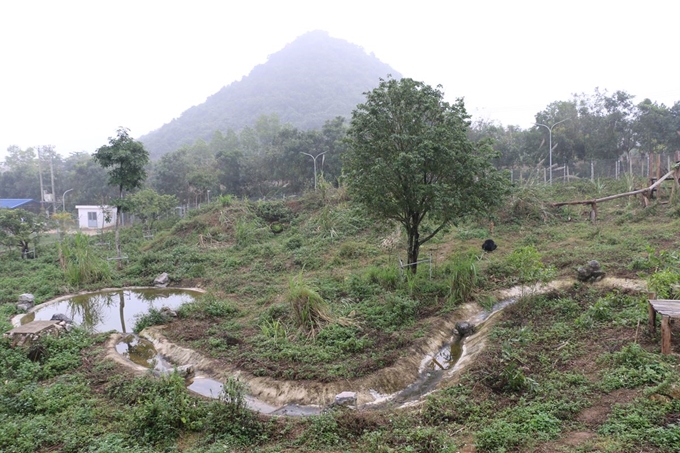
point(591, 272)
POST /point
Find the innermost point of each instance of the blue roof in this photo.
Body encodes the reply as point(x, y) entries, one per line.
point(12, 203)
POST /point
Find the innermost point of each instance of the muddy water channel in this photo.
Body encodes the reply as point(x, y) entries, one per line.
point(111, 309)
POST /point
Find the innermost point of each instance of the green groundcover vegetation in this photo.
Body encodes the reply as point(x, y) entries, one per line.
point(320, 297)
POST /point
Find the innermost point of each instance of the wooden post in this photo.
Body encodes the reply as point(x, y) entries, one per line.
point(593, 212)
point(652, 318)
point(665, 335)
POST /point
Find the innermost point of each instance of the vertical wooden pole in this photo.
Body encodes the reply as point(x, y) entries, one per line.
point(652, 318)
point(665, 335)
point(593, 212)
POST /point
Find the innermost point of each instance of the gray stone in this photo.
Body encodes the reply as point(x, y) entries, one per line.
point(591, 272)
point(162, 280)
point(27, 298)
point(168, 312)
point(464, 328)
point(346, 399)
point(61, 317)
point(24, 306)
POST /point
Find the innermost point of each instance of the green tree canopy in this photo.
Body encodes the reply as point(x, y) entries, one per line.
point(18, 226)
point(148, 205)
point(124, 158)
point(409, 159)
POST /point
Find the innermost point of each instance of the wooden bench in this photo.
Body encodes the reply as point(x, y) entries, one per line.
point(668, 309)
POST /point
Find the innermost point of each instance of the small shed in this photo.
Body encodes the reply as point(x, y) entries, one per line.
point(96, 217)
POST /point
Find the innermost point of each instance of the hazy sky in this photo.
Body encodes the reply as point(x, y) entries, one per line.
point(73, 71)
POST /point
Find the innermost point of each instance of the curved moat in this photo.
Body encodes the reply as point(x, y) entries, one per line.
point(424, 369)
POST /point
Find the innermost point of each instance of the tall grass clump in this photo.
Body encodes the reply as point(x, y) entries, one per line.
point(464, 278)
point(310, 311)
point(81, 263)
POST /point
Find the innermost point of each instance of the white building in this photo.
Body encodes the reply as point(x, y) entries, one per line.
point(96, 217)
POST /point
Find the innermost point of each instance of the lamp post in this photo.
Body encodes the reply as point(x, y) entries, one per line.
point(314, 158)
point(550, 142)
point(63, 200)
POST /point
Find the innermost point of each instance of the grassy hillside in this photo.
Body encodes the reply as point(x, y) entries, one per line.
point(309, 290)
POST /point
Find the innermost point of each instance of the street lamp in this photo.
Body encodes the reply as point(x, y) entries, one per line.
point(550, 142)
point(63, 200)
point(314, 158)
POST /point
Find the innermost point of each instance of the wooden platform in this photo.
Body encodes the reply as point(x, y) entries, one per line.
point(34, 327)
point(668, 309)
point(25, 334)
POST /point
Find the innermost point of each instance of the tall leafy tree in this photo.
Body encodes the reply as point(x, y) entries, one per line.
point(125, 159)
point(409, 160)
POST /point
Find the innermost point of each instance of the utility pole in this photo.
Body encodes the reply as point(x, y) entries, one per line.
point(42, 191)
point(54, 193)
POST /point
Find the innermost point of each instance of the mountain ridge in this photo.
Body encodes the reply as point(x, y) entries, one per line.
point(311, 80)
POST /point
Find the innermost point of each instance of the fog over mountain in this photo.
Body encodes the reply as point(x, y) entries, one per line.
point(311, 80)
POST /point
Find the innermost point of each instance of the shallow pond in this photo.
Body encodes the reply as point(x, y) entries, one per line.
point(114, 309)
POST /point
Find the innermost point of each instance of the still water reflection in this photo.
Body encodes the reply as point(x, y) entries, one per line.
point(112, 310)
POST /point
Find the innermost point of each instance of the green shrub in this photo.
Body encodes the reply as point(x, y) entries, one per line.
point(153, 317)
point(391, 312)
point(274, 211)
point(632, 367)
point(162, 411)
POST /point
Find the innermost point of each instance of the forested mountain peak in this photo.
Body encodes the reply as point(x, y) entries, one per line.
point(311, 80)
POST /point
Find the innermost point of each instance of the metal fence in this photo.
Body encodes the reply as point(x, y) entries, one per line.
point(642, 165)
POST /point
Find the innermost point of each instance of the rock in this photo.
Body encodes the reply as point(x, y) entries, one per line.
point(673, 391)
point(591, 272)
point(61, 317)
point(168, 312)
point(26, 297)
point(185, 371)
point(26, 301)
point(162, 280)
point(346, 399)
point(464, 328)
point(24, 306)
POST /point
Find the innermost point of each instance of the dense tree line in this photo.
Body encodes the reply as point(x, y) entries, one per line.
point(270, 158)
point(591, 127)
point(267, 159)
